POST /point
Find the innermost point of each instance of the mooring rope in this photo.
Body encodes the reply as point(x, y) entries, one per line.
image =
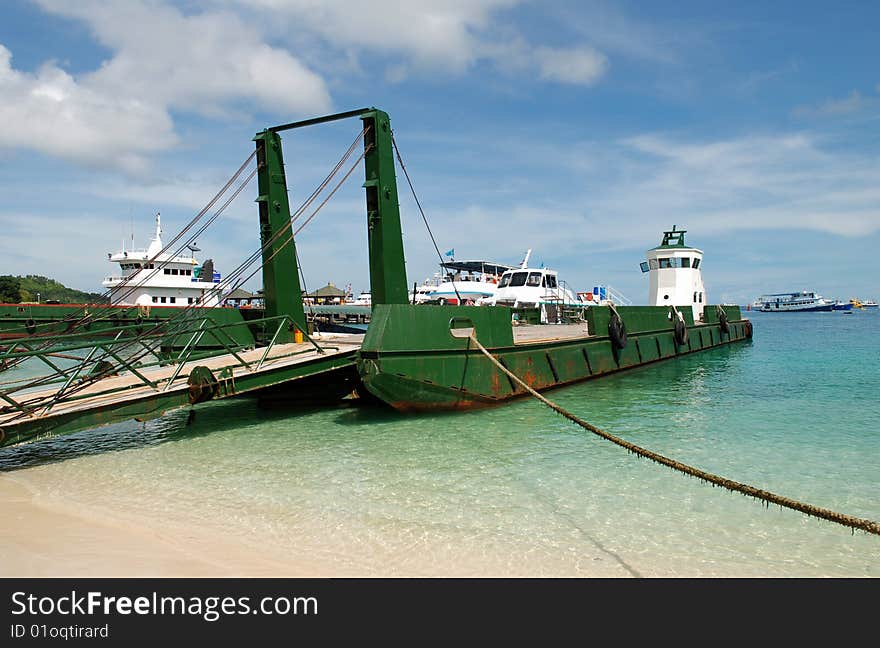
point(840, 518)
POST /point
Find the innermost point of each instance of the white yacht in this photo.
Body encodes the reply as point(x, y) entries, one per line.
point(805, 301)
point(525, 287)
point(150, 277)
point(468, 282)
point(421, 293)
point(365, 298)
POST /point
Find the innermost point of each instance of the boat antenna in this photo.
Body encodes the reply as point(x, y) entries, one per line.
point(525, 261)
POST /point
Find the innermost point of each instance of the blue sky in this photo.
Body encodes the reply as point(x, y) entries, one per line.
point(580, 130)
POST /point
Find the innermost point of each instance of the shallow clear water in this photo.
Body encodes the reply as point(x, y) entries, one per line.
point(518, 490)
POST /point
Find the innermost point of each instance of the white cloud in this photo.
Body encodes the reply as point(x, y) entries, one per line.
point(754, 182)
point(52, 113)
point(161, 61)
point(430, 33)
point(191, 61)
point(580, 65)
point(851, 104)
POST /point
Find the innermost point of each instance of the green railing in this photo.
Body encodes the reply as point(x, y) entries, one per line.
point(126, 353)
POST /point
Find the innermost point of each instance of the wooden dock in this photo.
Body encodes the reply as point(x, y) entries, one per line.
point(147, 393)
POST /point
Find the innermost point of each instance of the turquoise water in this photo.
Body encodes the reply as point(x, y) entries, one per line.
point(518, 490)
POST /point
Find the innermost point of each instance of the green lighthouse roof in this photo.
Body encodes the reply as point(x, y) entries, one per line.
point(672, 239)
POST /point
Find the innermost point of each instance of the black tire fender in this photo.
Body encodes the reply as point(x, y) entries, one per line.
point(681, 332)
point(723, 322)
point(617, 331)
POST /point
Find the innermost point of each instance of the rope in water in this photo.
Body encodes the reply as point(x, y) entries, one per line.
point(840, 518)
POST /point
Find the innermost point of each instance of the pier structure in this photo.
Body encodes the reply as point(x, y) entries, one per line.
point(142, 370)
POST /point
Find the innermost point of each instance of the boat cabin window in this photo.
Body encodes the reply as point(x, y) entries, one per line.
point(173, 299)
point(534, 279)
point(551, 281)
point(519, 279)
point(162, 299)
point(167, 271)
point(174, 271)
point(505, 280)
point(155, 300)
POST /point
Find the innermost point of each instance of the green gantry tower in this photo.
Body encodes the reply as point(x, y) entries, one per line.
point(282, 292)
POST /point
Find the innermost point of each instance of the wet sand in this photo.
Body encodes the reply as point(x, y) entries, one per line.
point(43, 538)
point(47, 535)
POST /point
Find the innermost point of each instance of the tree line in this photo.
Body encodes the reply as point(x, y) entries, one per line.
point(31, 288)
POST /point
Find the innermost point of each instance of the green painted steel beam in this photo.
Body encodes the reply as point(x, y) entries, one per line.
point(387, 265)
point(282, 293)
point(320, 120)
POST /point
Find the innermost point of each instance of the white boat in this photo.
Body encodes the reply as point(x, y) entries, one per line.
point(150, 277)
point(870, 304)
point(365, 298)
point(468, 282)
point(541, 288)
point(804, 301)
point(421, 293)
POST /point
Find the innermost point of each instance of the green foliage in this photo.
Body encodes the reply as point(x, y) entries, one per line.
point(10, 289)
point(49, 289)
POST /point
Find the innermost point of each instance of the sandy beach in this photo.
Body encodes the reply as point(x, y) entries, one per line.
point(42, 537)
point(48, 534)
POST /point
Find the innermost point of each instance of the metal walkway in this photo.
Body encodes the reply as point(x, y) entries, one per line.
point(147, 392)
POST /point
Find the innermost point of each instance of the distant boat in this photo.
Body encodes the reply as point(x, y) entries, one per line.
point(795, 302)
point(151, 277)
point(863, 305)
point(363, 299)
point(468, 281)
point(421, 293)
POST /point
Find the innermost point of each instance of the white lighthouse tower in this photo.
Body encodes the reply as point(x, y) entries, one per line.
point(675, 274)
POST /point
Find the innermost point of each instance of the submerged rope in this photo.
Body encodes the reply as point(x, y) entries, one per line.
point(840, 518)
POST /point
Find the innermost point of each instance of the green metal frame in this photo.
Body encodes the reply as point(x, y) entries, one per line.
point(28, 424)
point(388, 284)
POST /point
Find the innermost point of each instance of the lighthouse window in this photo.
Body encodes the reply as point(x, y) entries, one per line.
point(696, 263)
point(664, 262)
point(644, 266)
point(685, 262)
point(652, 263)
